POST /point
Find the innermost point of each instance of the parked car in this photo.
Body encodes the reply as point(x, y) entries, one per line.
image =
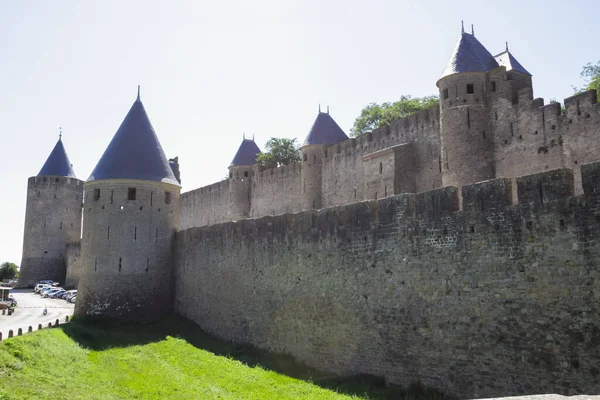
point(38, 288)
point(57, 294)
point(45, 289)
point(73, 299)
point(49, 282)
point(51, 292)
point(69, 294)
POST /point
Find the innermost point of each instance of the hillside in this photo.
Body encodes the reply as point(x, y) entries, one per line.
point(79, 361)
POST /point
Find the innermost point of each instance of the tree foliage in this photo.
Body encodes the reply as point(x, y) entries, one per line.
point(279, 151)
point(590, 73)
point(375, 115)
point(9, 270)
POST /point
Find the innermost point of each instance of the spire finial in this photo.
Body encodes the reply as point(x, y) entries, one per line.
point(472, 30)
point(60, 133)
point(319, 108)
point(506, 45)
point(462, 24)
point(253, 137)
point(327, 110)
point(138, 98)
point(244, 135)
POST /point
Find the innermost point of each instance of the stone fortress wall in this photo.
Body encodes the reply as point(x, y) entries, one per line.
point(411, 155)
point(492, 299)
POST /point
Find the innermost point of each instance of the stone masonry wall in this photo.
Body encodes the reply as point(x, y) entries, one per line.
point(73, 262)
point(496, 299)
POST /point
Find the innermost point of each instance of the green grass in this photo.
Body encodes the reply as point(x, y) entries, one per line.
point(101, 361)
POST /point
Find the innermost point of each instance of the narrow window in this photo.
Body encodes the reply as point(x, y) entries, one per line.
point(131, 194)
point(493, 86)
point(483, 133)
point(305, 157)
point(151, 195)
point(96, 264)
point(108, 233)
point(468, 118)
point(60, 224)
point(375, 195)
point(135, 233)
point(470, 88)
point(354, 192)
point(167, 197)
point(381, 168)
point(385, 191)
point(156, 235)
point(245, 174)
point(512, 131)
point(325, 153)
point(112, 194)
point(445, 93)
point(578, 113)
point(314, 158)
point(96, 194)
point(147, 264)
point(56, 180)
point(230, 175)
point(120, 263)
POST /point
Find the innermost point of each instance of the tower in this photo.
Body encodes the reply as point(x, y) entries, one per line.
point(466, 142)
point(240, 172)
point(52, 219)
point(324, 132)
point(131, 214)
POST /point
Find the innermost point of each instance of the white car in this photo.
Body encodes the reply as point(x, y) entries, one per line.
point(41, 286)
point(70, 294)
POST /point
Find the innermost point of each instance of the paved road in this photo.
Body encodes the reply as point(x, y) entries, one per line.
point(29, 312)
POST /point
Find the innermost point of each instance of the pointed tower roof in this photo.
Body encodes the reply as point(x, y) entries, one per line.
point(134, 152)
point(58, 163)
point(507, 60)
point(469, 55)
point(325, 131)
point(246, 154)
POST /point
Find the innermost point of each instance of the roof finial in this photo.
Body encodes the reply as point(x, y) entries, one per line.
point(253, 137)
point(462, 24)
point(319, 108)
point(507, 46)
point(327, 110)
point(138, 98)
point(244, 135)
point(472, 30)
point(60, 133)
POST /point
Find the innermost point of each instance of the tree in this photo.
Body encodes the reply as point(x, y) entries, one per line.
point(591, 76)
point(9, 270)
point(280, 151)
point(375, 115)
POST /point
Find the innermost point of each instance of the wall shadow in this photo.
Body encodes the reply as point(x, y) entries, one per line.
point(106, 334)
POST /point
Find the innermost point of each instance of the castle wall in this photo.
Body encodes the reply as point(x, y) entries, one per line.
point(276, 191)
point(494, 300)
point(73, 263)
point(205, 206)
point(52, 221)
point(127, 249)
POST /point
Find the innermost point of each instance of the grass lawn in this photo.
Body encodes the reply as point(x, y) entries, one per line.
point(84, 361)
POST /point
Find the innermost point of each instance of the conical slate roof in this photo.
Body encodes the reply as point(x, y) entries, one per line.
point(469, 55)
point(325, 131)
point(507, 60)
point(58, 163)
point(134, 152)
point(246, 154)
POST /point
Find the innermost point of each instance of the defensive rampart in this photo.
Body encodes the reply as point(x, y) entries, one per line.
point(494, 299)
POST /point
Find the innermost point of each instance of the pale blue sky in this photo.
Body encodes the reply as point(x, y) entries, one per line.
point(211, 70)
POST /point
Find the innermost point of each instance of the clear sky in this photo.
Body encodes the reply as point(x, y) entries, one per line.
point(212, 70)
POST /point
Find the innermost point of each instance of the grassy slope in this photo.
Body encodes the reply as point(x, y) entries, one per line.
point(79, 361)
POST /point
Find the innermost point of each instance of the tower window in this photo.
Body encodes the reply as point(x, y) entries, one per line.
point(96, 194)
point(493, 84)
point(381, 168)
point(245, 174)
point(445, 93)
point(167, 197)
point(305, 157)
point(470, 88)
point(131, 194)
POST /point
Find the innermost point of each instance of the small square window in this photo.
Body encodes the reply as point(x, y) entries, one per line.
point(167, 197)
point(470, 88)
point(96, 194)
point(445, 93)
point(131, 194)
point(245, 174)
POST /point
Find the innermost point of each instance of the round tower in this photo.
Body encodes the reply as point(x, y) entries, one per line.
point(466, 142)
point(131, 214)
point(240, 176)
point(52, 219)
point(324, 133)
